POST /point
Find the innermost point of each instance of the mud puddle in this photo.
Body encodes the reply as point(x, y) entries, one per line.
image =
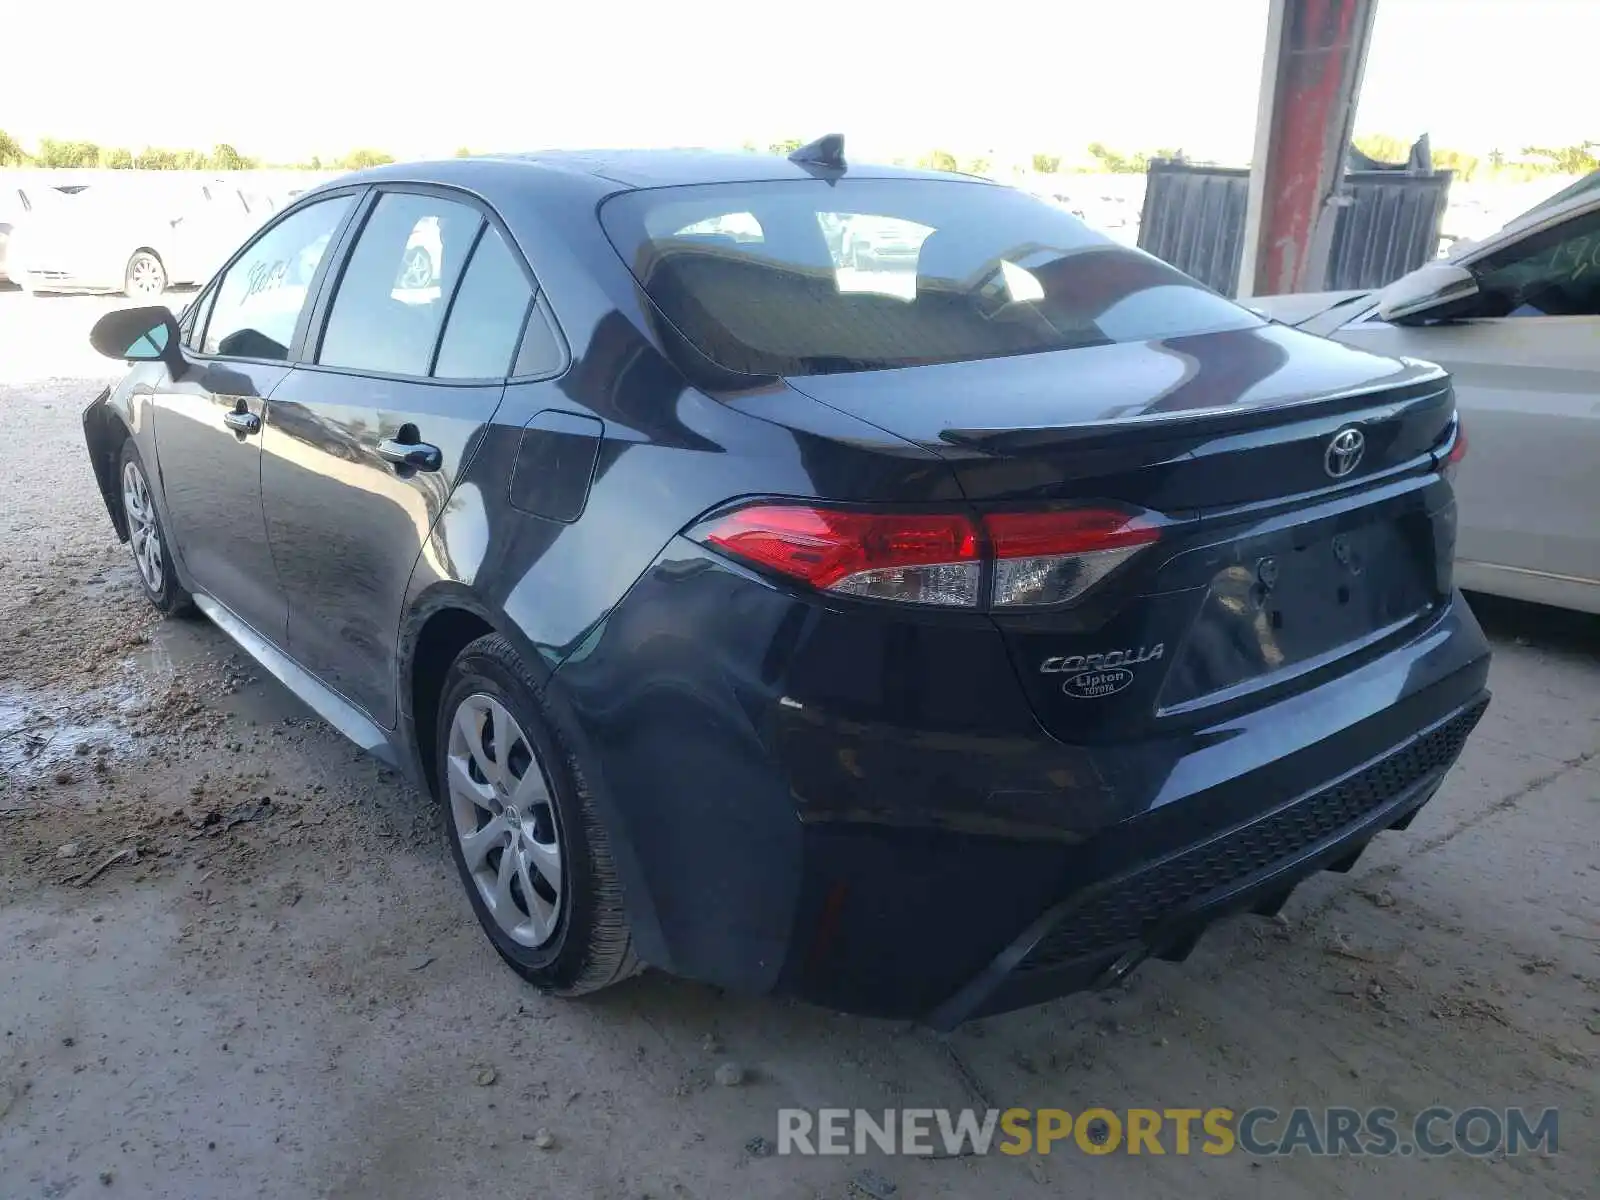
point(47, 730)
point(42, 735)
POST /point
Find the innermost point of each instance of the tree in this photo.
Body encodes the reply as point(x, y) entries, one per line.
point(1464, 165)
point(117, 158)
point(1046, 164)
point(154, 158)
point(54, 153)
point(11, 152)
point(977, 166)
point(1137, 163)
point(225, 158)
point(1567, 160)
point(1384, 147)
point(939, 160)
point(785, 147)
point(356, 160)
point(463, 152)
point(1108, 159)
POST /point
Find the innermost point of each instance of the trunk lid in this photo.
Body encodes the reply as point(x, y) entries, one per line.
point(1197, 422)
point(1283, 558)
point(1303, 310)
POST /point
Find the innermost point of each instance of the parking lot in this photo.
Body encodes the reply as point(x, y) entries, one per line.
point(237, 960)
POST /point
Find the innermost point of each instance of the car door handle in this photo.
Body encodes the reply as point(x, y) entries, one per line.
point(419, 456)
point(242, 422)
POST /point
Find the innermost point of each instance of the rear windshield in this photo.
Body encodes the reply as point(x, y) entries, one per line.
point(807, 278)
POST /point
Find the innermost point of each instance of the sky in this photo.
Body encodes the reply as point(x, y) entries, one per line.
point(284, 79)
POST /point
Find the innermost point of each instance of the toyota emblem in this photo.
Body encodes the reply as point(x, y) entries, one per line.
point(1344, 452)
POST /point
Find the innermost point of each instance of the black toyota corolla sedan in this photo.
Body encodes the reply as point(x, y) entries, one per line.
point(922, 637)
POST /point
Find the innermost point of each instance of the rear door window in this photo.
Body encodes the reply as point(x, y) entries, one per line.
point(868, 274)
point(488, 313)
point(262, 294)
point(390, 304)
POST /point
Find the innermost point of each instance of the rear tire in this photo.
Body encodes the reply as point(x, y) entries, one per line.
point(517, 811)
point(144, 278)
point(152, 551)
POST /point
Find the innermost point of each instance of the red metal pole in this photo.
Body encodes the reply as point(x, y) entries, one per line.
point(1310, 83)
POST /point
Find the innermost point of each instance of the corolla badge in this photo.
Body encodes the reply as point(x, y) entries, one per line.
point(1090, 676)
point(1071, 664)
point(1344, 452)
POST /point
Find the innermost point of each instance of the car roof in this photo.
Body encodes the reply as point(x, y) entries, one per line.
point(621, 170)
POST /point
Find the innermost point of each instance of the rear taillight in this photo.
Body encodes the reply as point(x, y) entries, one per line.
point(1036, 559)
point(1050, 558)
point(1458, 450)
point(917, 558)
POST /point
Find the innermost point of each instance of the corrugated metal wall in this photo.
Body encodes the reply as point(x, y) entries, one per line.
point(1194, 218)
point(1391, 226)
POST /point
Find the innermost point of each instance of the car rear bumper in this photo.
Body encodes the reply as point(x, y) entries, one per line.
point(803, 807)
point(1095, 936)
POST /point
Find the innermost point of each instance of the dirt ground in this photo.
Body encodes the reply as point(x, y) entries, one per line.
point(236, 960)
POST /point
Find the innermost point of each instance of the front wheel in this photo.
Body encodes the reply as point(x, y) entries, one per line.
point(151, 549)
point(144, 278)
point(524, 834)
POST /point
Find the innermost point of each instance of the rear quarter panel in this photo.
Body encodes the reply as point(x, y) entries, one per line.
point(668, 452)
point(665, 453)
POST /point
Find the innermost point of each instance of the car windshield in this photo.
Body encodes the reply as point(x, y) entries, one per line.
point(811, 277)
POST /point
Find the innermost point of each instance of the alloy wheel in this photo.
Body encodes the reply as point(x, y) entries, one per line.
point(144, 535)
point(505, 820)
point(145, 277)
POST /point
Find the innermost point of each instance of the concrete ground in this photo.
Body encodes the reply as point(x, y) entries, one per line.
point(279, 991)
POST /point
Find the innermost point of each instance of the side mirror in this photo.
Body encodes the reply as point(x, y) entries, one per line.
point(1428, 289)
point(140, 335)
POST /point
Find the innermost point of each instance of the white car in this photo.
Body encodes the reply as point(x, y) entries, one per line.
point(423, 264)
point(882, 243)
point(1515, 318)
point(135, 237)
point(16, 206)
